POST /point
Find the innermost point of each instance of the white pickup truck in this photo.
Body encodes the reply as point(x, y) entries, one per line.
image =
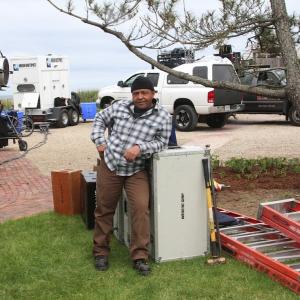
point(189, 102)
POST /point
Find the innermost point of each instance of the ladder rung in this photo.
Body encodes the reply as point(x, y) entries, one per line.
point(267, 242)
point(294, 251)
point(257, 234)
point(250, 233)
point(275, 243)
point(287, 257)
point(277, 248)
point(243, 226)
point(295, 266)
point(292, 213)
point(253, 233)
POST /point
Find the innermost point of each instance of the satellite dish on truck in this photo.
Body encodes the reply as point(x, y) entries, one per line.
point(4, 70)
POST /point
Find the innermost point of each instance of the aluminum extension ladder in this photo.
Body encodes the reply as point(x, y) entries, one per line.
point(283, 215)
point(264, 248)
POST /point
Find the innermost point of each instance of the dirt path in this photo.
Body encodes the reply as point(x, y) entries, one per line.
point(247, 202)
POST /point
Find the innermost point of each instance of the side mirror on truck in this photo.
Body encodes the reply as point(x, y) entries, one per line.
point(120, 83)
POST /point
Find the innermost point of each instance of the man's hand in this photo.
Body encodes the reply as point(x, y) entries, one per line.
point(101, 149)
point(132, 153)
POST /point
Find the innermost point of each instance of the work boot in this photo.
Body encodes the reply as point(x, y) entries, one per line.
point(101, 263)
point(141, 266)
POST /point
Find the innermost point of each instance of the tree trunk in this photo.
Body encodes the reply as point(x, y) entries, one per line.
point(288, 50)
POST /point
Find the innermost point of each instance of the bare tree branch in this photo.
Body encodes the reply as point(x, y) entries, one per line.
point(214, 84)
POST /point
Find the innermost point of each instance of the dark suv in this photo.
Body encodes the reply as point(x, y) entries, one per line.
point(269, 78)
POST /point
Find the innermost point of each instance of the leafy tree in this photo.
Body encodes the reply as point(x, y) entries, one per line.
point(154, 24)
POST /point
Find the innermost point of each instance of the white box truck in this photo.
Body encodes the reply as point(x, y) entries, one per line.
point(41, 89)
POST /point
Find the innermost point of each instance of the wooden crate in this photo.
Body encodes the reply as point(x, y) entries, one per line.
point(66, 191)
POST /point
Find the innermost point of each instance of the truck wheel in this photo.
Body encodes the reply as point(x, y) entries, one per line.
point(73, 116)
point(186, 118)
point(106, 102)
point(22, 145)
point(27, 126)
point(63, 119)
point(216, 120)
point(294, 116)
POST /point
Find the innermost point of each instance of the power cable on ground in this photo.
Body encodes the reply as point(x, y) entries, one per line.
point(38, 145)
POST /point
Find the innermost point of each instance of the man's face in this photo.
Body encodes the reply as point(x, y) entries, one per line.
point(143, 98)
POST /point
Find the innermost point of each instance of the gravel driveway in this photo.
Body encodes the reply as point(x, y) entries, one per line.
point(247, 136)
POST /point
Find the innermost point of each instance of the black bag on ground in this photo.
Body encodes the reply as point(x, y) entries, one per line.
point(3, 127)
point(225, 220)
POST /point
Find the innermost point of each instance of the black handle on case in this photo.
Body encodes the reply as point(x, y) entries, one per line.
point(206, 171)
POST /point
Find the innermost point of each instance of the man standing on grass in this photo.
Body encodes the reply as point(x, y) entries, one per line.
point(138, 128)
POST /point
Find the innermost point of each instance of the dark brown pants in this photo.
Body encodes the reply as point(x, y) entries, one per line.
point(109, 189)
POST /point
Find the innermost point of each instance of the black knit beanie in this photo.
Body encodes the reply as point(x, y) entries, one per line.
point(141, 83)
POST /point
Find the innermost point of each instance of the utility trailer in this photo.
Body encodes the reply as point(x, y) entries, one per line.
point(41, 89)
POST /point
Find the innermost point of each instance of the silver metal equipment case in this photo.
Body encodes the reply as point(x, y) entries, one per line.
point(178, 208)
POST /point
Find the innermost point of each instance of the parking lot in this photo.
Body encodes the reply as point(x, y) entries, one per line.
point(249, 136)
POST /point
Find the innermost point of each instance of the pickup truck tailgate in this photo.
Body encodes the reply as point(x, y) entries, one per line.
point(226, 97)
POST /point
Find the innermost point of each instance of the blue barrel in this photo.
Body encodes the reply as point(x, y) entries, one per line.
point(88, 110)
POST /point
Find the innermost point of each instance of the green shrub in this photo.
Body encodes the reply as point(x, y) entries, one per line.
point(215, 161)
point(7, 102)
point(241, 165)
point(253, 168)
point(88, 95)
point(296, 169)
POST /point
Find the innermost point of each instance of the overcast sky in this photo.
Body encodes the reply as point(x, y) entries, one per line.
point(33, 27)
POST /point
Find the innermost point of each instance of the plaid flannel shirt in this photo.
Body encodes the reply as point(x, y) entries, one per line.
point(151, 131)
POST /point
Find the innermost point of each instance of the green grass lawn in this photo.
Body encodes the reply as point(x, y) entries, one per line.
point(49, 257)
